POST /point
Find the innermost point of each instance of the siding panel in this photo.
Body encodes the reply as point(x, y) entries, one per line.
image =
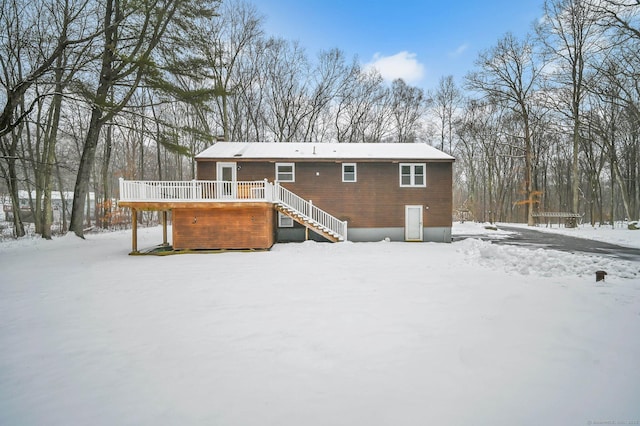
point(225, 226)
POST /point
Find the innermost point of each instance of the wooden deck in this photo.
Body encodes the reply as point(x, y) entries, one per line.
point(224, 214)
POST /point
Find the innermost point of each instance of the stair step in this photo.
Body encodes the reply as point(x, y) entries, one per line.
point(307, 221)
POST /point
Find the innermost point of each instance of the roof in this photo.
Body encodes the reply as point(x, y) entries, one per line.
point(323, 151)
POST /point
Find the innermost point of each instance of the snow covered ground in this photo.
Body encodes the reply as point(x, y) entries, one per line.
point(316, 334)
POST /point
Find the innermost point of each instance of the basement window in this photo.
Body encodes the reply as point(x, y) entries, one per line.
point(284, 221)
point(285, 172)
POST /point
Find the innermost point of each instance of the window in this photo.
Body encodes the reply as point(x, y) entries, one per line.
point(349, 173)
point(285, 172)
point(284, 221)
point(412, 174)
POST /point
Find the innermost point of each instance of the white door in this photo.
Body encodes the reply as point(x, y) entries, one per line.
point(226, 177)
point(413, 223)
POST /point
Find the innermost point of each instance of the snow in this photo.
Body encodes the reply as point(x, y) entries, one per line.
point(319, 151)
point(315, 334)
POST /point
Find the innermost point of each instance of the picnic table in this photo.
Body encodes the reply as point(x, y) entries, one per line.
point(570, 219)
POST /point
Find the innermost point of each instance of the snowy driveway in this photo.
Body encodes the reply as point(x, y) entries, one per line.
point(532, 238)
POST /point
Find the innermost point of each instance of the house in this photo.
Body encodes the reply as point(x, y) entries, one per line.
point(253, 194)
point(28, 198)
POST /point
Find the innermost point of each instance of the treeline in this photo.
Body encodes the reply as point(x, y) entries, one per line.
point(93, 91)
point(551, 121)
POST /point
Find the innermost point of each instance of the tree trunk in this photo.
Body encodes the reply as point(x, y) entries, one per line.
point(623, 191)
point(87, 159)
point(575, 184)
point(63, 199)
point(529, 169)
point(612, 204)
point(9, 153)
point(49, 155)
point(18, 226)
point(81, 188)
point(105, 206)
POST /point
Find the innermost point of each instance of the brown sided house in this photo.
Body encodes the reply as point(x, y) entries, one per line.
point(253, 194)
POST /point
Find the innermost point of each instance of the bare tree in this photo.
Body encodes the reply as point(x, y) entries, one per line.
point(32, 67)
point(35, 66)
point(224, 46)
point(327, 79)
point(620, 15)
point(362, 108)
point(509, 75)
point(616, 87)
point(570, 34)
point(285, 65)
point(408, 107)
point(446, 99)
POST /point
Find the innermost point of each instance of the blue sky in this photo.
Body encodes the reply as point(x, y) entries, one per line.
point(419, 41)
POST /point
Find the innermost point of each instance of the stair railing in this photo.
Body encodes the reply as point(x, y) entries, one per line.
point(308, 211)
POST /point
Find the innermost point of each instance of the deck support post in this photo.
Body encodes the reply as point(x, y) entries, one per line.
point(165, 241)
point(134, 231)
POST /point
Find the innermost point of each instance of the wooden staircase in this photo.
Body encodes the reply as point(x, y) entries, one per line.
point(311, 217)
point(309, 223)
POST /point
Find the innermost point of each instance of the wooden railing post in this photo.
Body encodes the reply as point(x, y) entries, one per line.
point(268, 191)
point(121, 187)
point(165, 241)
point(134, 231)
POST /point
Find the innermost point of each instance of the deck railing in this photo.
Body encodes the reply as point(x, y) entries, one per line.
point(195, 190)
point(223, 191)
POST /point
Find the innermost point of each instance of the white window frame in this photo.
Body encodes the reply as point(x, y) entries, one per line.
point(293, 172)
point(284, 221)
point(355, 172)
point(412, 175)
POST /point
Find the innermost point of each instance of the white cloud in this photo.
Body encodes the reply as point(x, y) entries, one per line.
point(459, 50)
point(402, 65)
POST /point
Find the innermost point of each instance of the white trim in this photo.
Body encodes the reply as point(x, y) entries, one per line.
point(412, 175)
point(227, 190)
point(234, 170)
point(408, 226)
point(293, 172)
point(355, 172)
